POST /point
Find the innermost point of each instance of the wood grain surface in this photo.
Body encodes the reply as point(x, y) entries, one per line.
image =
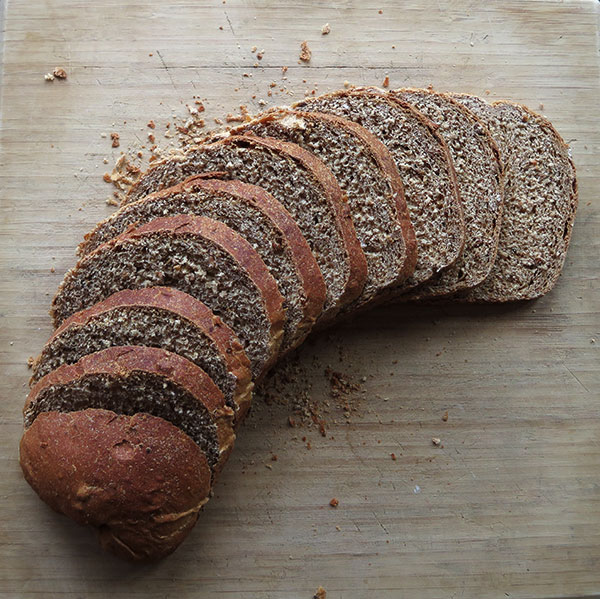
point(510, 505)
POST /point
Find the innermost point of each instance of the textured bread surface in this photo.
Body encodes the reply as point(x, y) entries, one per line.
point(256, 216)
point(367, 175)
point(479, 175)
point(138, 480)
point(540, 202)
point(156, 317)
point(297, 179)
point(197, 255)
point(135, 379)
point(425, 167)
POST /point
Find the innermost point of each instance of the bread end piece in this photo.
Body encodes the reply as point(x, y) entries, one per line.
point(139, 480)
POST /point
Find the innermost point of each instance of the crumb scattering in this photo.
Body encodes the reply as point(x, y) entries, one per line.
point(115, 140)
point(59, 73)
point(436, 441)
point(305, 52)
point(326, 29)
point(386, 81)
point(334, 502)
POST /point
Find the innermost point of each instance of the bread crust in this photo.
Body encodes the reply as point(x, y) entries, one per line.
point(139, 480)
point(118, 361)
point(187, 307)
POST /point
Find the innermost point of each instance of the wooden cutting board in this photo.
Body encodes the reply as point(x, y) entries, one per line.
point(510, 505)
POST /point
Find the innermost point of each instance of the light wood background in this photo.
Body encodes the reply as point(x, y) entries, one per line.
point(510, 506)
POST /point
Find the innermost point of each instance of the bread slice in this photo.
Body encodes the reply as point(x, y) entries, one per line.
point(479, 175)
point(367, 175)
point(258, 217)
point(156, 317)
point(540, 202)
point(425, 167)
point(139, 480)
point(297, 179)
point(132, 379)
point(194, 254)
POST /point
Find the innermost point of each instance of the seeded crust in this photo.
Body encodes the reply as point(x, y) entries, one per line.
point(133, 379)
point(297, 179)
point(157, 317)
point(139, 480)
point(367, 174)
point(540, 202)
point(479, 175)
point(255, 215)
point(198, 255)
point(425, 167)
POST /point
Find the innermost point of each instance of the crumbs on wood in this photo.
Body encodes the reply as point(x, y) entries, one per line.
point(305, 52)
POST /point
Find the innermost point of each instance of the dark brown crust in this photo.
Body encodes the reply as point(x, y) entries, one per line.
point(187, 307)
point(138, 479)
point(384, 161)
point(392, 293)
point(119, 361)
point(357, 263)
point(315, 290)
point(243, 253)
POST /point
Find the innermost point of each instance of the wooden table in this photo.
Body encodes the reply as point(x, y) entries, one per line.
point(510, 506)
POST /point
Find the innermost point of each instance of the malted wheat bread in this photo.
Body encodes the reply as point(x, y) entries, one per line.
point(540, 202)
point(299, 181)
point(156, 317)
point(479, 175)
point(194, 254)
point(366, 173)
point(258, 217)
point(425, 167)
point(139, 480)
point(132, 379)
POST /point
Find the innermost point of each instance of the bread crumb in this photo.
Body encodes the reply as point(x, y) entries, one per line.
point(253, 49)
point(393, 456)
point(436, 441)
point(334, 502)
point(151, 124)
point(380, 12)
point(320, 594)
point(445, 416)
point(346, 83)
point(386, 81)
point(30, 361)
point(49, 77)
point(284, 69)
point(305, 52)
point(52, 269)
point(110, 201)
point(326, 29)
point(115, 140)
point(59, 73)
point(260, 55)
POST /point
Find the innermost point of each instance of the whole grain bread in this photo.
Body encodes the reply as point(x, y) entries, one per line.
point(299, 181)
point(139, 480)
point(194, 254)
point(156, 317)
point(366, 173)
point(540, 202)
point(132, 379)
point(425, 167)
point(480, 180)
point(259, 218)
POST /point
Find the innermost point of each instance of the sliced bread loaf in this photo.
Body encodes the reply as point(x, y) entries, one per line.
point(297, 179)
point(138, 479)
point(540, 202)
point(479, 175)
point(157, 317)
point(367, 175)
point(194, 254)
point(132, 379)
point(259, 218)
point(425, 167)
